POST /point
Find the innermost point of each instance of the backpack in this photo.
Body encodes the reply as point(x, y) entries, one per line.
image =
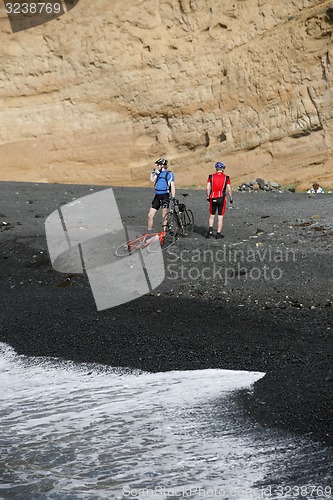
point(166, 178)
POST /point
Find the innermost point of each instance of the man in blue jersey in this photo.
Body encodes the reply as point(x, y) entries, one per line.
point(164, 181)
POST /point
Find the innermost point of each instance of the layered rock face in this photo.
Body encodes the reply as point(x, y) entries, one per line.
point(99, 94)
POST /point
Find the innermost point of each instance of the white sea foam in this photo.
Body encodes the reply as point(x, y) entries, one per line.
point(90, 432)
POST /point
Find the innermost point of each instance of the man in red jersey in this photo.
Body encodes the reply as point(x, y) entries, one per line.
point(218, 185)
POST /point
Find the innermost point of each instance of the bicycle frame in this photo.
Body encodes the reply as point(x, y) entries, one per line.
point(140, 243)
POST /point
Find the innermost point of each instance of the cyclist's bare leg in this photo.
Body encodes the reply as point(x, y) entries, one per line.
point(219, 223)
point(151, 215)
point(164, 212)
point(211, 221)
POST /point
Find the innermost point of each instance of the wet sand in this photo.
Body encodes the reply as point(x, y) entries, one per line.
point(260, 299)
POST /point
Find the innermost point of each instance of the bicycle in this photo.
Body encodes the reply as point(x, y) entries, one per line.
point(151, 241)
point(180, 219)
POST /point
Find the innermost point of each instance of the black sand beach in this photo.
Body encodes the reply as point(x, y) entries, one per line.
point(267, 306)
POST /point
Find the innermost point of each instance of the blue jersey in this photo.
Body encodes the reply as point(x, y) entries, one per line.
point(163, 182)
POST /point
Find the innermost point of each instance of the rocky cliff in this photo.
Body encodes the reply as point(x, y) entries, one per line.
point(98, 94)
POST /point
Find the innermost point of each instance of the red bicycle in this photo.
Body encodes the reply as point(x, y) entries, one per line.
point(152, 241)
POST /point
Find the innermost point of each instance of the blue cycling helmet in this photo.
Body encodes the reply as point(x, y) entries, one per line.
point(219, 165)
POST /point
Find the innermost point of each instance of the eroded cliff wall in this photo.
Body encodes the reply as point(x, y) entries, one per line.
point(98, 94)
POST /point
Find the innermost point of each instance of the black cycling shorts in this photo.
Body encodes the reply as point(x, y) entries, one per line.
point(161, 200)
point(217, 204)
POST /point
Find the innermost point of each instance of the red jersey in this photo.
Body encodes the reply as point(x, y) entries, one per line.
point(218, 183)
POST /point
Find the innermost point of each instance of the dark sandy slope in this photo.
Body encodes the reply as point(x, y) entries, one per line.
point(233, 320)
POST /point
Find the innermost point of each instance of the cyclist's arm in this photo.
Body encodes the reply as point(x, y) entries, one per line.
point(208, 189)
point(153, 176)
point(173, 189)
point(229, 190)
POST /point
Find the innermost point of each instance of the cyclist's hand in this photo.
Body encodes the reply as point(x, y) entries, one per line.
point(207, 199)
point(173, 199)
point(231, 202)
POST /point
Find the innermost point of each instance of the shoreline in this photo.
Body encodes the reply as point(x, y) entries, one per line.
point(284, 187)
point(278, 326)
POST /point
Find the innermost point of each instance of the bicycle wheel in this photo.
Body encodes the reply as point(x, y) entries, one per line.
point(123, 250)
point(187, 222)
point(128, 248)
point(171, 225)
